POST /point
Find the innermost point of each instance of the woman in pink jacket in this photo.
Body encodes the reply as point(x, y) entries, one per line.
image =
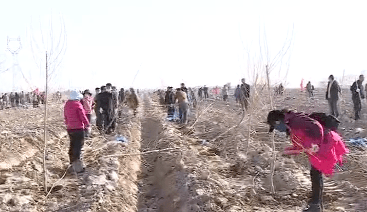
point(316, 135)
point(76, 123)
point(87, 103)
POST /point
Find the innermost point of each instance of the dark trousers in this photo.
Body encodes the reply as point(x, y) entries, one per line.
point(333, 107)
point(183, 110)
point(244, 103)
point(76, 144)
point(206, 95)
point(317, 186)
point(98, 120)
point(357, 107)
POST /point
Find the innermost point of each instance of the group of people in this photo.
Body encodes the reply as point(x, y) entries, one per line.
point(358, 93)
point(21, 99)
point(185, 97)
point(78, 111)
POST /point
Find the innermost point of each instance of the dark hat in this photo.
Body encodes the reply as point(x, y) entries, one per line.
point(169, 87)
point(98, 89)
point(109, 84)
point(87, 92)
point(103, 87)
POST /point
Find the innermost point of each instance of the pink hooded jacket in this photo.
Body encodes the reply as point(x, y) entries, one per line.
point(88, 103)
point(74, 114)
point(307, 133)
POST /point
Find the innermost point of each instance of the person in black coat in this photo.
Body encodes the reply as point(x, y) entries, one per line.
point(332, 95)
point(170, 101)
point(357, 95)
point(244, 94)
point(105, 102)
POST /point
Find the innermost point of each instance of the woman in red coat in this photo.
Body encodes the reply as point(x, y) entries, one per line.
point(76, 123)
point(316, 135)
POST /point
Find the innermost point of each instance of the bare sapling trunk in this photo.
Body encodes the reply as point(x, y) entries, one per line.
point(45, 131)
point(272, 136)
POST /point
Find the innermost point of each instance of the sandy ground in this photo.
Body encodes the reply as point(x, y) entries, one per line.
point(220, 161)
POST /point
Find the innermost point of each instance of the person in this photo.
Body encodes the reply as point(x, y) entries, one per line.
point(161, 95)
point(132, 101)
point(76, 123)
point(316, 135)
point(183, 88)
point(87, 103)
point(225, 93)
point(332, 95)
point(105, 105)
point(309, 89)
point(206, 94)
point(169, 100)
point(115, 100)
point(357, 95)
point(200, 93)
point(244, 94)
point(183, 106)
point(108, 87)
point(97, 108)
point(237, 93)
point(281, 89)
point(22, 98)
point(121, 96)
point(193, 98)
point(17, 99)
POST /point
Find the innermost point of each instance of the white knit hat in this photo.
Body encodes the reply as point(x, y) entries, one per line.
point(75, 95)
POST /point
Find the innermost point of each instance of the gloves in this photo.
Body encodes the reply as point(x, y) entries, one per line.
point(357, 90)
point(89, 130)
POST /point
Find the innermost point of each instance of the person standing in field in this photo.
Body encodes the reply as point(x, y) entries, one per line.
point(237, 93)
point(76, 123)
point(97, 108)
point(169, 100)
point(88, 104)
point(244, 94)
point(332, 95)
point(105, 105)
point(225, 93)
point(132, 101)
point(200, 93)
point(181, 97)
point(309, 88)
point(357, 95)
point(206, 94)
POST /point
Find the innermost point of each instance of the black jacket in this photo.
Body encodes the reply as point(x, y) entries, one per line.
point(357, 85)
point(169, 98)
point(334, 91)
point(105, 101)
point(245, 90)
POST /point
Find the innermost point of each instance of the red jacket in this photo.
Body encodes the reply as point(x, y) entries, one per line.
point(88, 104)
point(74, 115)
point(307, 133)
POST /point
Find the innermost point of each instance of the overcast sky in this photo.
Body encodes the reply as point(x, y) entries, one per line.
point(161, 43)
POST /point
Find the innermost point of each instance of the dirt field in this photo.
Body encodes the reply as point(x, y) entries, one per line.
point(221, 161)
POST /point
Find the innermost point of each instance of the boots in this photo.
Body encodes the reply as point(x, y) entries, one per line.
point(77, 166)
point(315, 205)
point(313, 208)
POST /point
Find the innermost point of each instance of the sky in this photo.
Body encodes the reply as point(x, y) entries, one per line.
point(154, 43)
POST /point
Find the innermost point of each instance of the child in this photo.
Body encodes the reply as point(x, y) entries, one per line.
point(315, 135)
point(76, 122)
